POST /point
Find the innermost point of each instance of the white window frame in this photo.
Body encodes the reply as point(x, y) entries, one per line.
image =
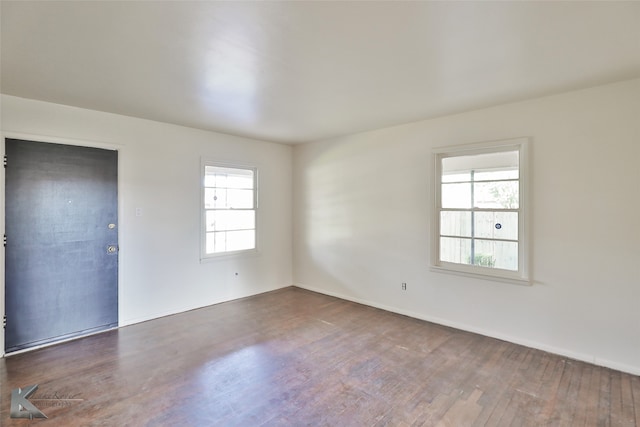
point(521, 276)
point(204, 256)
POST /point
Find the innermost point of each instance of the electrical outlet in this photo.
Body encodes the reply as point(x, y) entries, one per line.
point(404, 286)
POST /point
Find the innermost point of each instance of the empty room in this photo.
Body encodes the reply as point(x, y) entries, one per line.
point(320, 213)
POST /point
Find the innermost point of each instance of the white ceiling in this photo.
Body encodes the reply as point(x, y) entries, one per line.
point(300, 71)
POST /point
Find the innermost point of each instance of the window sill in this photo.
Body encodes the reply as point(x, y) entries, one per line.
point(223, 256)
point(504, 278)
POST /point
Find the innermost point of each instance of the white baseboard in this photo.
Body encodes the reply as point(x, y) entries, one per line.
point(634, 370)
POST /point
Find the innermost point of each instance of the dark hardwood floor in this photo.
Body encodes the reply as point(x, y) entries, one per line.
point(297, 358)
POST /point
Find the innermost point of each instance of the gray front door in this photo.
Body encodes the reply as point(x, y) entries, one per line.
point(61, 257)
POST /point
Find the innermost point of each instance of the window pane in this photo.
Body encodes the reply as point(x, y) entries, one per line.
point(220, 239)
point(220, 180)
point(456, 177)
point(239, 199)
point(209, 222)
point(218, 220)
point(496, 254)
point(502, 160)
point(209, 180)
point(215, 176)
point(456, 196)
point(214, 198)
point(496, 225)
point(496, 175)
point(240, 240)
point(240, 180)
point(217, 242)
point(225, 241)
point(455, 223)
point(227, 177)
point(496, 195)
point(211, 243)
point(220, 198)
point(455, 250)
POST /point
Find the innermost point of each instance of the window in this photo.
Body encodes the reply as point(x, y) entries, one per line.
point(229, 209)
point(479, 223)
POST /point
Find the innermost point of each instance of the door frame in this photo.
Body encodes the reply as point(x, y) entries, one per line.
point(121, 218)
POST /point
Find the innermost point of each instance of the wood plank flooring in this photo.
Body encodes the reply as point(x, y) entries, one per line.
point(297, 358)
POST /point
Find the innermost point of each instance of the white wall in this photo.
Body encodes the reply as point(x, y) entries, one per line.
point(160, 271)
point(361, 218)
point(361, 224)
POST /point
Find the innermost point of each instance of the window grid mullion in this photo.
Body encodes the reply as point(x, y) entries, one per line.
point(475, 181)
point(226, 230)
point(479, 210)
point(492, 239)
point(230, 209)
point(228, 188)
